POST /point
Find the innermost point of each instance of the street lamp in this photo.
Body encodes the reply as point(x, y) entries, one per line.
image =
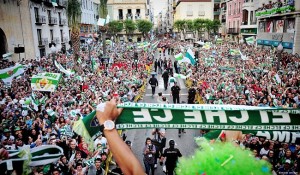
point(89, 42)
point(279, 49)
point(53, 52)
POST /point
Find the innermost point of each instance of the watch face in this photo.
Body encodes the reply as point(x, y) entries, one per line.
point(109, 125)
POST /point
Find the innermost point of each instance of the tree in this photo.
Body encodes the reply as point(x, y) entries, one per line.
point(208, 26)
point(115, 27)
point(216, 24)
point(144, 26)
point(103, 14)
point(189, 26)
point(74, 17)
point(199, 25)
point(180, 25)
point(129, 26)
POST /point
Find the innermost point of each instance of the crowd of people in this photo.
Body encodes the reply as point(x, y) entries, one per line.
point(76, 96)
point(253, 77)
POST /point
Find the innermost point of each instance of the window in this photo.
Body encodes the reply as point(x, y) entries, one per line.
point(251, 18)
point(59, 17)
point(51, 35)
point(39, 34)
point(61, 36)
point(229, 10)
point(234, 9)
point(240, 7)
point(49, 14)
point(189, 10)
point(201, 13)
point(36, 13)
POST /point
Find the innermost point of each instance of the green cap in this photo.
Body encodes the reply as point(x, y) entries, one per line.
point(17, 128)
point(6, 130)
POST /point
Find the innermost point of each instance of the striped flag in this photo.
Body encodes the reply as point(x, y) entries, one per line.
point(62, 69)
point(178, 56)
point(34, 102)
point(87, 128)
point(8, 74)
point(277, 79)
point(250, 40)
point(79, 61)
point(190, 55)
point(45, 154)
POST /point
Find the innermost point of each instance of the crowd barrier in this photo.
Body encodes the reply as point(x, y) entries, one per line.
point(142, 89)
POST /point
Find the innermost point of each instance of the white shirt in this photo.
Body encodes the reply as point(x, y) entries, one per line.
point(102, 141)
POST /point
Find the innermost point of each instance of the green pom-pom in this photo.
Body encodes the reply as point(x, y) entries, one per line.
point(222, 158)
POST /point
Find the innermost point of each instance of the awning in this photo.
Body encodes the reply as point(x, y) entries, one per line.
point(199, 42)
point(7, 55)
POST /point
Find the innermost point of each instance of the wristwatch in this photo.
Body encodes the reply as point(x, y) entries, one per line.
point(107, 125)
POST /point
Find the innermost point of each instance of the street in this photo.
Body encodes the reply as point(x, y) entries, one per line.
point(185, 144)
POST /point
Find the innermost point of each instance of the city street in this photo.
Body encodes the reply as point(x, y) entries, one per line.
point(185, 144)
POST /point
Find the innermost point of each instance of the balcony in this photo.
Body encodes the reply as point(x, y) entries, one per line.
point(137, 16)
point(48, 3)
point(43, 42)
point(62, 22)
point(56, 40)
point(61, 3)
point(233, 30)
point(64, 40)
point(129, 16)
point(217, 12)
point(217, 1)
point(52, 21)
point(223, 20)
point(37, 1)
point(39, 20)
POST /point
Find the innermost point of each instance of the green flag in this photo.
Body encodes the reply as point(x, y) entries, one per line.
point(45, 81)
point(8, 74)
point(87, 128)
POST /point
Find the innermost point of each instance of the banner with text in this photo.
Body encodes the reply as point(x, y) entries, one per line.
point(223, 117)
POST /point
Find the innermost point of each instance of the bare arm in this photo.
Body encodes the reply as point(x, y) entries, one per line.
point(120, 150)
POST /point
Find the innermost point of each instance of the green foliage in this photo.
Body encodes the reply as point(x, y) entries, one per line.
point(74, 13)
point(189, 25)
point(144, 26)
point(115, 27)
point(103, 9)
point(129, 26)
point(179, 25)
point(222, 158)
point(199, 24)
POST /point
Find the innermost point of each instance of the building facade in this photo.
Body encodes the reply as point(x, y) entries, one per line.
point(29, 28)
point(49, 26)
point(249, 22)
point(234, 19)
point(128, 9)
point(222, 17)
point(279, 23)
point(89, 16)
point(193, 9)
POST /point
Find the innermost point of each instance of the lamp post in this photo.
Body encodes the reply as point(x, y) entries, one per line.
point(135, 60)
point(279, 49)
point(89, 42)
point(53, 53)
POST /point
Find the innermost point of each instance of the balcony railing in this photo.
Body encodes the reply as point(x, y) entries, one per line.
point(64, 39)
point(40, 20)
point(43, 41)
point(48, 3)
point(56, 40)
point(233, 30)
point(61, 3)
point(129, 16)
point(62, 22)
point(52, 21)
